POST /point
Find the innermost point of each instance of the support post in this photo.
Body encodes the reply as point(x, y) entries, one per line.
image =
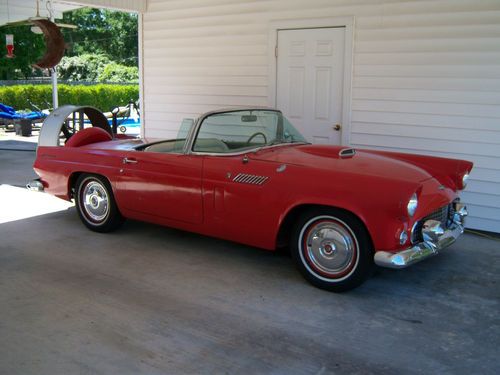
point(55, 95)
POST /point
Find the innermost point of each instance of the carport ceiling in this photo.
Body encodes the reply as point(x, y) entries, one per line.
point(16, 10)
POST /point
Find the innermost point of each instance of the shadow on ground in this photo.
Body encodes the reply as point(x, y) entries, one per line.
point(147, 299)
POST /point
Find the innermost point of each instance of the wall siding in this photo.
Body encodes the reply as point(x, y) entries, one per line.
point(426, 74)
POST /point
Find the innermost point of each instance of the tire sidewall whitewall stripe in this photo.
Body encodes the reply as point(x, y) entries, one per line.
point(81, 202)
point(305, 227)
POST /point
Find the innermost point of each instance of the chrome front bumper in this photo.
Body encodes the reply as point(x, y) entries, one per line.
point(435, 238)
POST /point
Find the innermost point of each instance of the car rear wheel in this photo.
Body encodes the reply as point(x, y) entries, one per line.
point(96, 205)
point(332, 249)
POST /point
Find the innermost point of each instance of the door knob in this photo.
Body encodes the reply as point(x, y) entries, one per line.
point(337, 127)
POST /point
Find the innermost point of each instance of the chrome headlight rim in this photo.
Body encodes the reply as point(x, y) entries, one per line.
point(465, 178)
point(412, 205)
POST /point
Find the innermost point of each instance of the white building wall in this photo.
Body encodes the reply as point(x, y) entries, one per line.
point(426, 74)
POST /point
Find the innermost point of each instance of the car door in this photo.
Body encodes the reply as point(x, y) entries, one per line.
point(162, 185)
point(242, 198)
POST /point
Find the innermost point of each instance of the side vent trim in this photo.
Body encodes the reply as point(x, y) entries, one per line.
point(250, 179)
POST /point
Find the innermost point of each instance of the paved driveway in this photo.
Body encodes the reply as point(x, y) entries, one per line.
point(152, 300)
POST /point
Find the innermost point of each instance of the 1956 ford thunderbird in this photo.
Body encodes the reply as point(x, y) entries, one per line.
point(247, 175)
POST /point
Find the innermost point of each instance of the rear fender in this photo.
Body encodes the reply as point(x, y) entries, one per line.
point(58, 166)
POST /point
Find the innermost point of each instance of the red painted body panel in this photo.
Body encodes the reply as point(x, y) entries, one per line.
point(198, 192)
point(161, 185)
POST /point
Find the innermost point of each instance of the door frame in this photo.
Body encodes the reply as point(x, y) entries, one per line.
point(315, 23)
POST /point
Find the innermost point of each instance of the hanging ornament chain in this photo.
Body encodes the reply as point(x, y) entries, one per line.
point(50, 9)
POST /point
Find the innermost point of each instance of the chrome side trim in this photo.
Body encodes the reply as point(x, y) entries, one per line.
point(281, 168)
point(435, 238)
point(246, 151)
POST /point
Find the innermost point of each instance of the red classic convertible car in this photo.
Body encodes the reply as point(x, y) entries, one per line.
point(247, 175)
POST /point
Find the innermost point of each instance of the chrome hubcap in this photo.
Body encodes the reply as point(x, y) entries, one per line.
point(95, 201)
point(330, 247)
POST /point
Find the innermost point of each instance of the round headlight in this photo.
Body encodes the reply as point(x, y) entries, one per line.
point(464, 180)
point(412, 205)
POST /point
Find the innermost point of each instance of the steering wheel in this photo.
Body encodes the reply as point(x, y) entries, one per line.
point(255, 135)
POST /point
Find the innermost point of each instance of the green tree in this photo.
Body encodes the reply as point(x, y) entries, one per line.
point(28, 48)
point(102, 31)
point(85, 67)
point(118, 73)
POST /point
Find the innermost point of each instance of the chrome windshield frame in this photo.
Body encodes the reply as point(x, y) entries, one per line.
point(191, 137)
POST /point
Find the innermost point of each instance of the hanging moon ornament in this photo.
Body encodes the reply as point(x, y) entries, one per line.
point(54, 42)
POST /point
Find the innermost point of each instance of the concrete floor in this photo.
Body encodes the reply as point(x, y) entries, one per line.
point(152, 300)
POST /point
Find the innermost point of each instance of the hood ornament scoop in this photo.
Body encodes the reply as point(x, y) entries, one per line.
point(347, 153)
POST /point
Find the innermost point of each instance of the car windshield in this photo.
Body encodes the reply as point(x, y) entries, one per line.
point(236, 131)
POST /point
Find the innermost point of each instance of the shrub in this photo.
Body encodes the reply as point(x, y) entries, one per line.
point(86, 67)
point(101, 96)
point(94, 67)
point(114, 72)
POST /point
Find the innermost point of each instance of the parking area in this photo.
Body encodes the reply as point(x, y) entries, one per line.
point(147, 299)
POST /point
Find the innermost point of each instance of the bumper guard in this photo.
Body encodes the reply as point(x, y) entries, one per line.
point(435, 238)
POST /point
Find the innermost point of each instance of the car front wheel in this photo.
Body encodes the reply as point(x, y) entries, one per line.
point(332, 249)
point(96, 205)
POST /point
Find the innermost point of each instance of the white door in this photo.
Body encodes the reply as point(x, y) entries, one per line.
point(310, 72)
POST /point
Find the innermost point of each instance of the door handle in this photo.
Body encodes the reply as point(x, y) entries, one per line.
point(129, 161)
point(337, 127)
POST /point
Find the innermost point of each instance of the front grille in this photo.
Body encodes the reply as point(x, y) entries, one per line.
point(444, 215)
point(440, 215)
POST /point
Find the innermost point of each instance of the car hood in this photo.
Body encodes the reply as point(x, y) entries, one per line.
point(327, 158)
